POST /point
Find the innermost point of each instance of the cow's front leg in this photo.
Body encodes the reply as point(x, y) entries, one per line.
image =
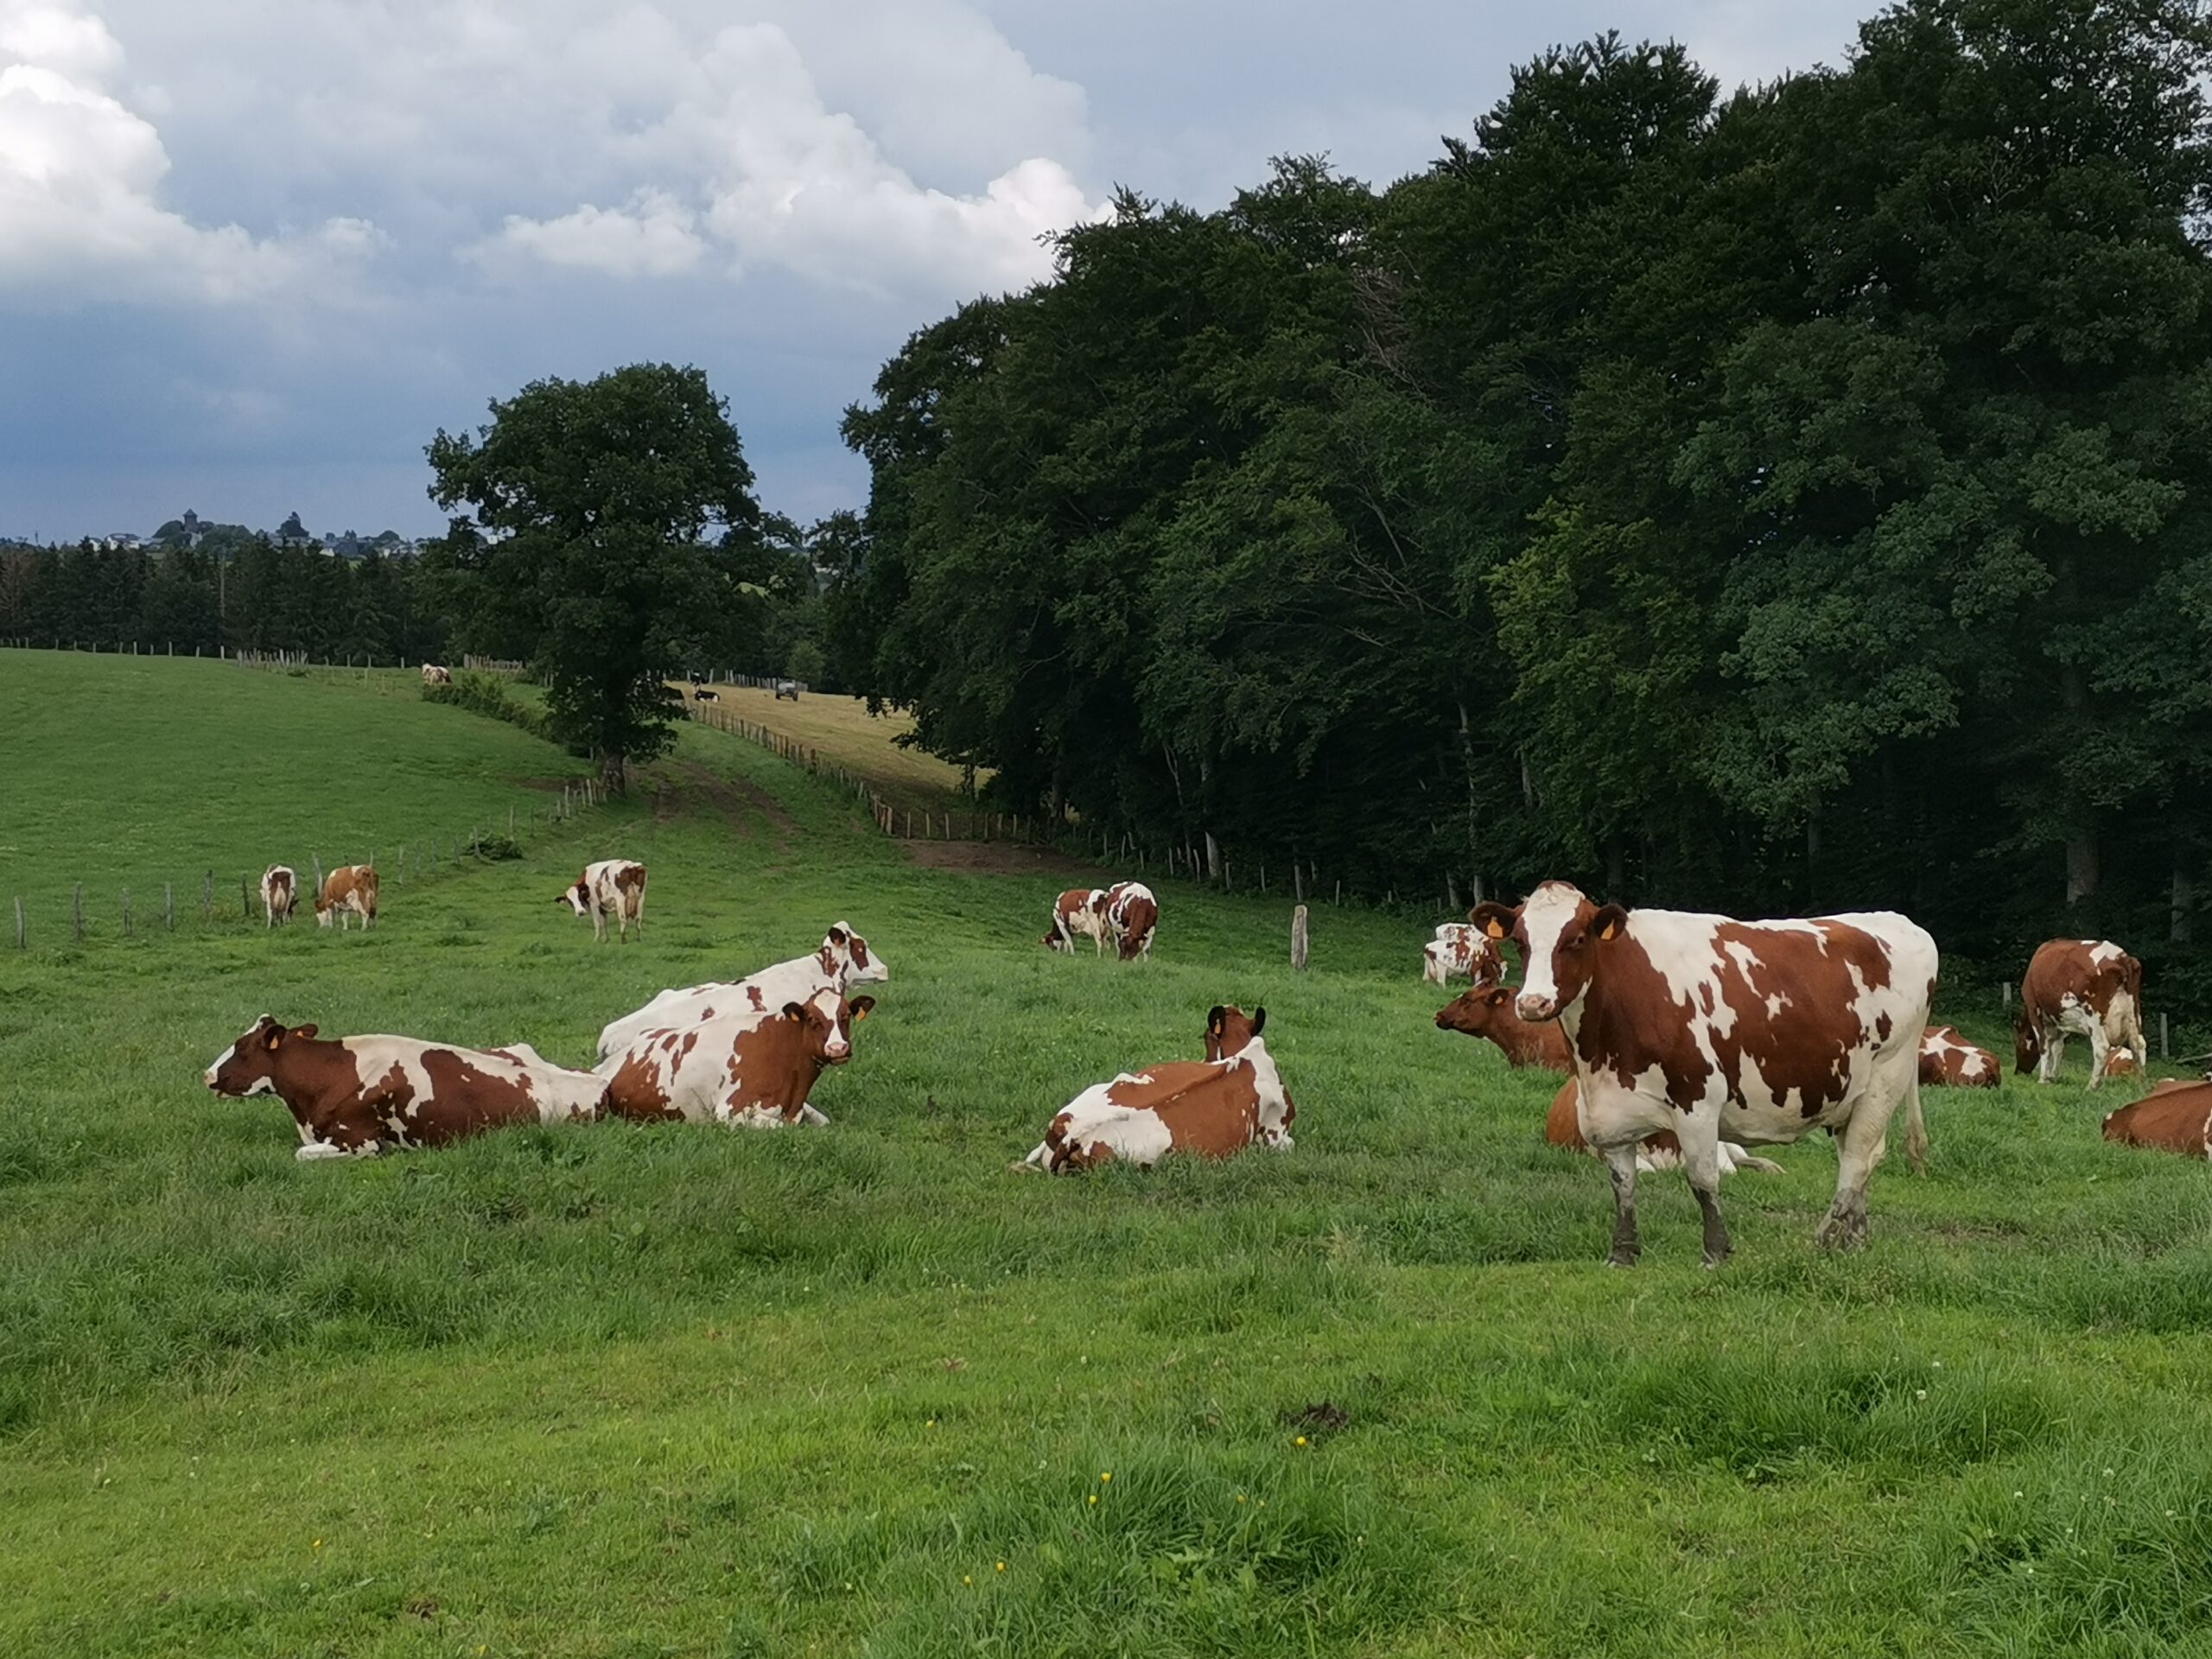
point(1626, 1246)
point(1701, 1163)
point(1858, 1150)
point(2054, 1055)
point(2100, 1054)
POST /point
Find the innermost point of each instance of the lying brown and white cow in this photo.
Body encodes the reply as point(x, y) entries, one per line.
point(614, 886)
point(357, 1096)
point(737, 1068)
point(1132, 913)
point(1080, 912)
point(1949, 1061)
point(348, 891)
point(1459, 951)
point(2122, 1062)
point(2175, 1117)
point(2088, 986)
point(844, 960)
point(279, 886)
point(1213, 1108)
point(1563, 1128)
point(1713, 1028)
point(434, 675)
point(1489, 1012)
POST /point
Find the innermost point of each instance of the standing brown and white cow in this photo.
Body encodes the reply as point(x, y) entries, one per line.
point(1080, 912)
point(434, 675)
point(1703, 1025)
point(739, 1068)
point(2088, 986)
point(1949, 1061)
point(348, 891)
point(1461, 951)
point(357, 1096)
point(844, 960)
point(614, 886)
point(279, 886)
point(1132, 912)
point(1215, 1108)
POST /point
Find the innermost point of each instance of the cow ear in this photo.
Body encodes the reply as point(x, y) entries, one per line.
point(305, 1031)
point(1215, 1020)
point(1497, 921)
point(272, 1037)
point(836, 935)
point(794, 1011)
point(1607, 923)
point(859, 1006)
point(1496, 995)
point(1259, 1020)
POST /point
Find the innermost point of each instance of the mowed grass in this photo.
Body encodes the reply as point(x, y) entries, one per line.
point(843, 732)
point(610, 1390)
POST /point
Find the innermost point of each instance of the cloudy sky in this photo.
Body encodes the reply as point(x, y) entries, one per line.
point(254, 252)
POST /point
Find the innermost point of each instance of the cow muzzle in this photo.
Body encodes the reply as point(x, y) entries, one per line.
point(1534, 1008)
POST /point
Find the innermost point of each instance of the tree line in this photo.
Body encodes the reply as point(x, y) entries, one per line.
point(1781, 501)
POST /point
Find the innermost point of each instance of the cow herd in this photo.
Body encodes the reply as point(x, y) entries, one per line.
point(1685, 1040)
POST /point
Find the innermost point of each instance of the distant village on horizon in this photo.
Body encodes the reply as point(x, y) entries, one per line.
point(190, 530)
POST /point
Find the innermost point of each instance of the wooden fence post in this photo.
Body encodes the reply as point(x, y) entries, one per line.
point(207, 896)
point(19, 922)
point(77, 911)
point(169, 906)
point(1296, 883)
point(2165, 1051)
point(246, 904)
point(1298, 938)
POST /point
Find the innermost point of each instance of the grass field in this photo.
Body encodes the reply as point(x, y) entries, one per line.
point(846, 735)
point(621, 1391)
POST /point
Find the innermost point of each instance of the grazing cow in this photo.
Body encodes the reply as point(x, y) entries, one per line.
point(1079, 911)
point(739, 1068)
point(843, 960)
point(348, 891)
point(1488, 1012)
point(360, 1096)
point(1215, 1107)
point(1949, 1061)
point(614, 886)
point(700, 695)
point(1132, 912)
point(433, 675)
point(2088, 986)
point(1461, 951)
point(1701, 1024)
point(1563, 1128)
point(2175, 1117)
point(279, 886)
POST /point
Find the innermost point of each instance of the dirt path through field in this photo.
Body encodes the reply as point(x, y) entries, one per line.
point(738, 799)
point(994, 858)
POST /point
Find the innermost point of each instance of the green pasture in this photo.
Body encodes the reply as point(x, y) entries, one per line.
point(621, 1391)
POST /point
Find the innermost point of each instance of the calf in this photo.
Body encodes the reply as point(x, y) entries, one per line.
point(1489, 1012)
point(1949, 1061)
point(614, 886)
point(843, 960)
point(1461, 951)
point(738, 1068)
point(348, 891)
point(1132, 912)
point(2088, 986)
point(434, 675)
point(278, 887)
point(1214, 1108)
point(2175, 1117)
point(1078, 912)
point(358, 1096)
point(1563, 1128)
point(2122, 1062)
point(1695, 1024)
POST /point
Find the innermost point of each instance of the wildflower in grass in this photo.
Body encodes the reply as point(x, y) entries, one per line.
point(1001, 1567)
point(2107, 1474)
point(318, 1543)
point(1240, 1497)
point(1920, 1394)
point(1108, 1475)
point(1300, 1441)
point(966, 1579)
point(1094, 1497)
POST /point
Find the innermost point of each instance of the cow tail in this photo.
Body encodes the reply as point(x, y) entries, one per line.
point(1915, 1126)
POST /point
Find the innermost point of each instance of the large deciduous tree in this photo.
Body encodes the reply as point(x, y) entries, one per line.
point(585, 547)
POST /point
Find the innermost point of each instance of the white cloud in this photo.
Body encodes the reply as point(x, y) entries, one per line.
point(652, 238)
point(79, 176)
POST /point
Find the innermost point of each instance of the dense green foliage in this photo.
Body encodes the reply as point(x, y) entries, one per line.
point(234, 593)
point(609, 1391)
point(1788, 500)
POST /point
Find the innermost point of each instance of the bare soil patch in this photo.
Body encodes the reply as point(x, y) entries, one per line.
point(994, 858)
point(736, 798)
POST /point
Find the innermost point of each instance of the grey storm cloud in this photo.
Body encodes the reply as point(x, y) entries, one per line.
point(253, 252)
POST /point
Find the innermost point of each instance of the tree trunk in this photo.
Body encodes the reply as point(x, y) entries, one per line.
point(1213, 858)
point(2180, 929)
point(613, 771)
point(1616, 867)
point(2081, 866)
point(1467, 764)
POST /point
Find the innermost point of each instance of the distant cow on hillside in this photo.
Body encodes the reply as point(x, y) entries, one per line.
point(434, 675)
point(1078, 913)
point(279, 886)
point(2091, 987)
point(614, 886)
point(348, 891)
point(1459, 949)
point(700, 693)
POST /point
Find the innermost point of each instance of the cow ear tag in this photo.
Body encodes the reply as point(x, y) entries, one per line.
point(273, 1037)
point(1494, 928)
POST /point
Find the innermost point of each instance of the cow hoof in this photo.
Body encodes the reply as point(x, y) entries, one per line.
point(1841, 1234)
point(1712, 1261)
point(1622, 1258)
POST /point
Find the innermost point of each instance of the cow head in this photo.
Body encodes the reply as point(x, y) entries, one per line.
point(1478, 1013)
point(829, 1029)
point(2027, 1043)
point(1560, 933)
point(249, 1065)
point(846, 954)
point(1228, 1028)
point(575, 896)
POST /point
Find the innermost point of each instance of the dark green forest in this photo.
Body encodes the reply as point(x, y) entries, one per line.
point(1777, 502)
